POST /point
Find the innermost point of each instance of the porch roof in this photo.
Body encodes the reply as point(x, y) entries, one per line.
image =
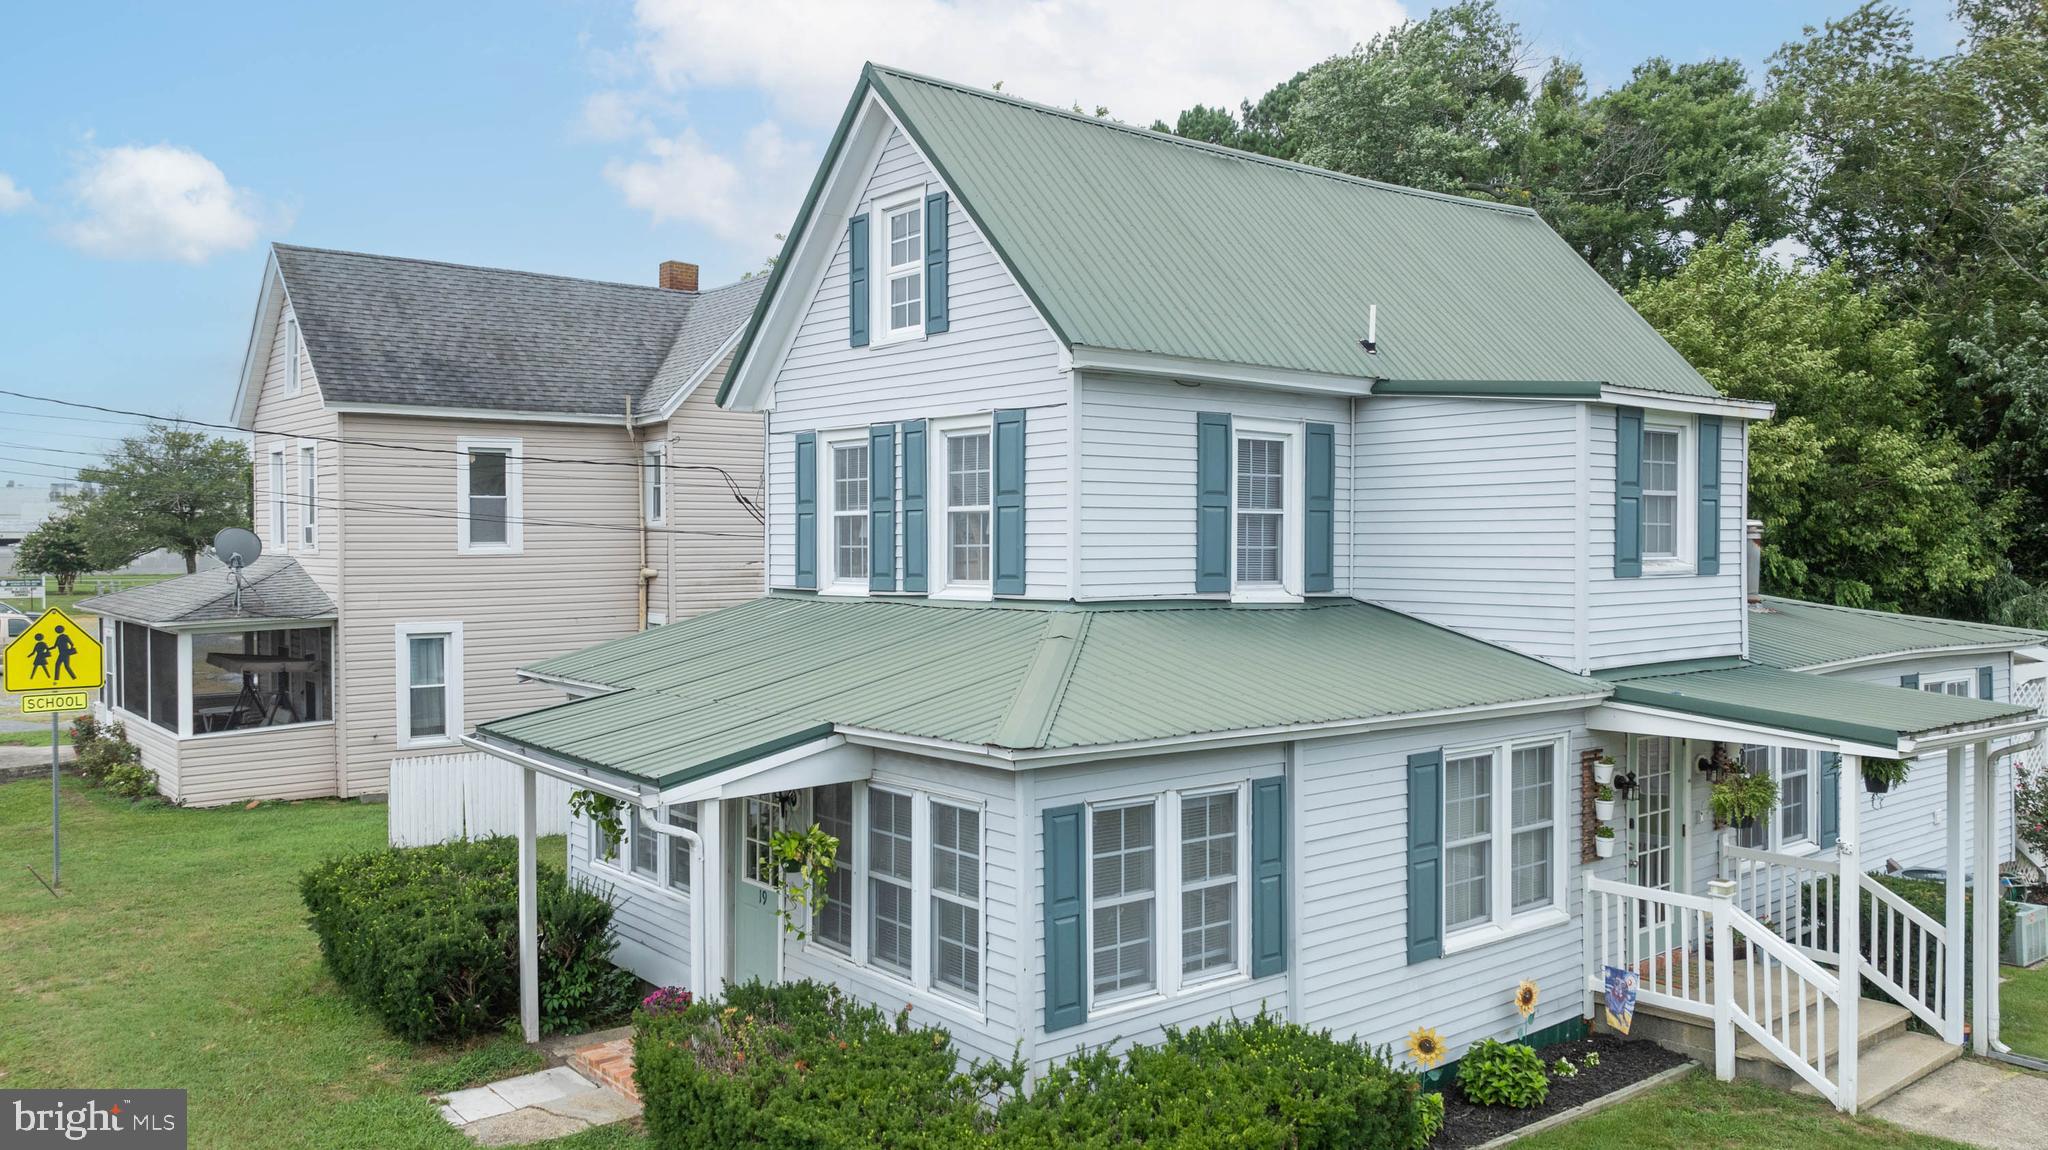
point(1826, 709)
point(1804, 636)
point(273, 588)
point(686, 700)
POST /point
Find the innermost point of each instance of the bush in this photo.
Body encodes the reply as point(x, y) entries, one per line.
point(800, 1065)
point(84, 730)
point(106, 751)
point(1429, 1119)
point(1495, 1073)
point(1928, 897)
point(428, 937)
point(1233, 1083)
point(131, 780)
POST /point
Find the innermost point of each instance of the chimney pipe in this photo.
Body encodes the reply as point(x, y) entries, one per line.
point(1753, 560)
point(678, 276)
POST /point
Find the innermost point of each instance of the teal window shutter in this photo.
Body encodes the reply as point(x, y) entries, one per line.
point(807, 510)
point(1830, 798)
point(1009, 502)
point(1066, 944)
point(1319, 522)
point(1212, 502)
point(1985, 683)
point(1425, 855)
point(882, 507)
point(1269, 876)
point(935, 263)
point(1910, 682)
point(857, 281)
point(1628, 492)
point(915, 537)
point(1710, 495)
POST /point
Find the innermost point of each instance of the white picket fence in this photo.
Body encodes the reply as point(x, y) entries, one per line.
point(439, 798)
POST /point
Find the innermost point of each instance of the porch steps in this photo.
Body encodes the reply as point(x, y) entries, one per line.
point(609, 1063)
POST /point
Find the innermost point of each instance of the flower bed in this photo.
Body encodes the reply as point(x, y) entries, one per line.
point(1616, 1063)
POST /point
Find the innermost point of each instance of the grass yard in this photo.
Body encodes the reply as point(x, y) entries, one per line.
point(1699, 1113)
point(2023, 1010)
point(178, 957)
point(33, 738)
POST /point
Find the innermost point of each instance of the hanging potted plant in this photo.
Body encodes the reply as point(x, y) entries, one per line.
point(1603, 802)
point(603, 813)
point(1603, 769)
point(1881, 775)
point(1603, 842)
point(1739, 800)
point(799, 864)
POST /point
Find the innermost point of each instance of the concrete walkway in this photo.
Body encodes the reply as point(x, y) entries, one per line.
point(1986, 1104)
point(551, 1103)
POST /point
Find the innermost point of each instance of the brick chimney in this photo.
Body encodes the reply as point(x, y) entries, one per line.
point(678, 276)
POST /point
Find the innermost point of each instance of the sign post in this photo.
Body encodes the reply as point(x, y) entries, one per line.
point(54, 665)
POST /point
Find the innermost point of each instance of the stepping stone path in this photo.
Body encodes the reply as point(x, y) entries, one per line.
point(550, 1103)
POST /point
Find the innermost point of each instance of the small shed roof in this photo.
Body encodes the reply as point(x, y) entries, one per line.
point(1798, 635)
point(274, 587)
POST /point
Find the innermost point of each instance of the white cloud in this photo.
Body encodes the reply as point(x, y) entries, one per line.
point(13, 197)
point(161, 202)
point(1142, 60)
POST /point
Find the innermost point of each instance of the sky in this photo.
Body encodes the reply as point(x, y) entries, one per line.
point(150, 152)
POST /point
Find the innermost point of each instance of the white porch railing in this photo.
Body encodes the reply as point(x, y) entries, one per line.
point(1783, 1000)
point(1661, 935)
point(1904, 951)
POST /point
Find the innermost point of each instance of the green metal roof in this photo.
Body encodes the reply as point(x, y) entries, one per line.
point(1795, 634)
point(1817, 705)
point(1136, 241)
point(696, 696)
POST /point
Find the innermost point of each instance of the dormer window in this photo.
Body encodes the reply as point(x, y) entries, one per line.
point(902, 262)
point(1660, 492)
point(1265, 510)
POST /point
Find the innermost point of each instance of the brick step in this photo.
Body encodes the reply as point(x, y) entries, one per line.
point(610, 1063)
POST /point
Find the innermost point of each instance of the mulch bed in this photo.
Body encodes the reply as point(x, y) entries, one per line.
point(1621, 1063)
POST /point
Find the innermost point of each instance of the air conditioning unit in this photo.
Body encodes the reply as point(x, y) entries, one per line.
point(2029, 942)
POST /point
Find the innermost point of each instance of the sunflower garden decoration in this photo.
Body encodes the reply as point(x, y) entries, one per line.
point(1425, 1047)
point(1526, 995)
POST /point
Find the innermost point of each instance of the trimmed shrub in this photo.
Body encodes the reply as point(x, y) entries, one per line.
point(799, 1065)
point(131, 780)
point(1495, 1073)
point(107, 751)
point(428, 937)
point(1255, 1082)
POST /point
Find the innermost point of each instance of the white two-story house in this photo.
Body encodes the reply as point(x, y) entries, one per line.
point(1196, 582)
point(458, 471)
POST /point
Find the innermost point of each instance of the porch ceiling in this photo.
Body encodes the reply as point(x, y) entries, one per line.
point(1826, 709)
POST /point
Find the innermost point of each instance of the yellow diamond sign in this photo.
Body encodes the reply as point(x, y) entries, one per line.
point(54, 654)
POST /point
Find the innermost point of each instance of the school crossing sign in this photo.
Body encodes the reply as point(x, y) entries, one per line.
point(53, 664)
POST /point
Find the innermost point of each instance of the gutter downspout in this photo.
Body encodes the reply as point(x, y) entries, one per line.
point(646, 573)
point(652, 820)
point(2000, 1050)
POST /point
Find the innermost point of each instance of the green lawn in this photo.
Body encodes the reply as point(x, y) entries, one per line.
point(1699, 1113)
point(178, 957)
point(33, 738)
point(2023, 1010)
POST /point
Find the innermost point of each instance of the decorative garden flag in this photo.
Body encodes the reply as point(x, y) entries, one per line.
point(1621, 998)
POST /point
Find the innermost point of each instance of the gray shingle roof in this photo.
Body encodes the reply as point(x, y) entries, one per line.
point(273, 587)
point(416, 333)
point(712, 319)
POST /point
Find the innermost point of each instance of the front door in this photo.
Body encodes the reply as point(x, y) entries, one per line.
point(1655, 858)
point(756, 928)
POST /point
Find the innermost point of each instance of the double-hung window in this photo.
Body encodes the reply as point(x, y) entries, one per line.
point(1266, 472)
point(429, 683)
point(653, 469)
point(645, 855)
point(678, 878)
point(1503, 810)
point(1660, 492)
point(660, 859)
point(902, 271)
point(956, 898)
point(279, 498)
point(1208, 883)
point(968, 508)
point(1795, 823)
point(832, 809)
point(1123, 864)
point(1962, 684)
point(488, 478)
point(849, 502)
point(309, 495)
point(891, 934)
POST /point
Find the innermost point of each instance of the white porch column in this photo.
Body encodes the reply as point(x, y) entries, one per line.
point(529, 911)
point(1849, 956)
point(711, 893)
point(1722, 892)
point(1984, 805)
point(1955, 971)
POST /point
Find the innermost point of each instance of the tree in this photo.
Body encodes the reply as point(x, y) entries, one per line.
point(58, 546)
point(167, 488)
point(1866, 500)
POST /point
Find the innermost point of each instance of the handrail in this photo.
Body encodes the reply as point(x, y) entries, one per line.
point(1651, 894)
point(1913, 914)
point(1762, 936)
point(1810, 1022)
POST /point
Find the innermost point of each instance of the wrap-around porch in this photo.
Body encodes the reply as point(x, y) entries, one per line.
point(1797, 959)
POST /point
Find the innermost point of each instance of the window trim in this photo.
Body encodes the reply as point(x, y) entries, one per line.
point(881, 271)
point(1504, 922)
point(1291, 433)
point(829, 582)
point(654, 483)
point(403, 634)
point(1685, 559)
point(294, 342)
point(280, 492)
point(515, 502)
point(938, 551)
point(619, 868)
point(1938, 682)
point(309, 496)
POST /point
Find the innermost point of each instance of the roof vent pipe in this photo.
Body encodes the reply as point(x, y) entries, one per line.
point(1753, 560)
point(1371, 342)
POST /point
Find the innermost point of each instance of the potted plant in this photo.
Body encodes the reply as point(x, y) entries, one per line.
point(1739, 800)
point(1603, 842)
point(1881, 775)
point(1603, 770)
point(1603, 802)
point(603, 811)
point(800, 864)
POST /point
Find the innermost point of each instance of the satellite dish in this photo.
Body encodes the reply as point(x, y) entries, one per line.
point(237, 547)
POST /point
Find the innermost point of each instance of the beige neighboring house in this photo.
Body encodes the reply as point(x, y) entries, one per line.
point(458, 471)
